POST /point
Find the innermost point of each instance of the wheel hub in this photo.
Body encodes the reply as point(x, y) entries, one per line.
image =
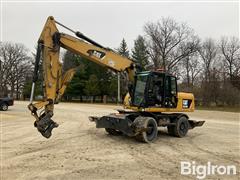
point(4, 107)
point(149, 130)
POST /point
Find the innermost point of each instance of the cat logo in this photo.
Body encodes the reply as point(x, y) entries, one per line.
point(97, 54)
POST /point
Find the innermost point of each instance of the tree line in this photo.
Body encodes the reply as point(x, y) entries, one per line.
point(15, 66)
point(207, 67)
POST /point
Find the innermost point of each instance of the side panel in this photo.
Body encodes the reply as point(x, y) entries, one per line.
point(119, 122)
point(185, 104)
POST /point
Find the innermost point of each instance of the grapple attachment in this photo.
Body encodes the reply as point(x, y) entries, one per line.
point(45, 125)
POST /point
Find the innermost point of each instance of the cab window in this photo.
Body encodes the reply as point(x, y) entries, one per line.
point(173, 86)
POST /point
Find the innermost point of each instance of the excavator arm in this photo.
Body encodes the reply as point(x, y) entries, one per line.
point(54, 81)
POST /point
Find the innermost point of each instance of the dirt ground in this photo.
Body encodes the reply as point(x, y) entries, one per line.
point(77, 150)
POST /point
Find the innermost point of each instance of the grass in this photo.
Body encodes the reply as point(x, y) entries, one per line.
point(226, 109)
point(213, 108)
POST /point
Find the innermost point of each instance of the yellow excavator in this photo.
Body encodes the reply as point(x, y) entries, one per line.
point(153, 99)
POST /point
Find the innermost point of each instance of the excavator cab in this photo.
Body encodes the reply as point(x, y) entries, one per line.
point(153, 93)
point(154, 89)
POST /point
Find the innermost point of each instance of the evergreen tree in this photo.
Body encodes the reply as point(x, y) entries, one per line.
point(123, 49)
point(139, 52)
point(76, 86)
point(82, 80)
point(103, 75)
point(92, 87)
point(28, 87)
point(113, 87)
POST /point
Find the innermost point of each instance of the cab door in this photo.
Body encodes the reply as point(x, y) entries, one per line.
point(170, 98)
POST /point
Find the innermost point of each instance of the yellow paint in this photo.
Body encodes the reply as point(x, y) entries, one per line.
point(179, 108)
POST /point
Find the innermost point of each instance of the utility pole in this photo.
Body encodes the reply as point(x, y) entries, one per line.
point(119, 96)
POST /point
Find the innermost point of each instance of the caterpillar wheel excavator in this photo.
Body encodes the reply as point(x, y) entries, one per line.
point(153, 99)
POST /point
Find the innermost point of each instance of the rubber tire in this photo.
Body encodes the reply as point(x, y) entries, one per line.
point(145, 136)
point(4, 107)
point(113, 132)
point(180, 129)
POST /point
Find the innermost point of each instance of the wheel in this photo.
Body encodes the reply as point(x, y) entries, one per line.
point(113, 132)
point(4, 107)
point(181, 127)
point(151, 125)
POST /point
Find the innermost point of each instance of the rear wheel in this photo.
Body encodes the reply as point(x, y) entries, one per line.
point(4, 107)
point(113, 132)
point(151, 132)
point(181, 127)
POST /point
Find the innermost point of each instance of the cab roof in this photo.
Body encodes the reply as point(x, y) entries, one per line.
point(154, 72)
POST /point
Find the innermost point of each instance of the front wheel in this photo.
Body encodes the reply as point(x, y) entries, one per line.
point(4, 107)
point(151, 132)
point(181, 127)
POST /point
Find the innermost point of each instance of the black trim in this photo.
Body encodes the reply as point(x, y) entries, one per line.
point(56, 39)
point(37, 61)
point(82, 36)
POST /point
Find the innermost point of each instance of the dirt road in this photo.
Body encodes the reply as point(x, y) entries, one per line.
point(77, 150)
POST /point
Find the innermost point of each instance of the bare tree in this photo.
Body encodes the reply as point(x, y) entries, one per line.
point(191, 69)
point(15, 67)
point(170, 42)
point(230, 49)
point(208, 53)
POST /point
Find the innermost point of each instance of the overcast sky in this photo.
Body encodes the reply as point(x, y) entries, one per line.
point(108, 23)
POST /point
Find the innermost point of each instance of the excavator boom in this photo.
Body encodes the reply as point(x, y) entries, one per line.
point(55, 82)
